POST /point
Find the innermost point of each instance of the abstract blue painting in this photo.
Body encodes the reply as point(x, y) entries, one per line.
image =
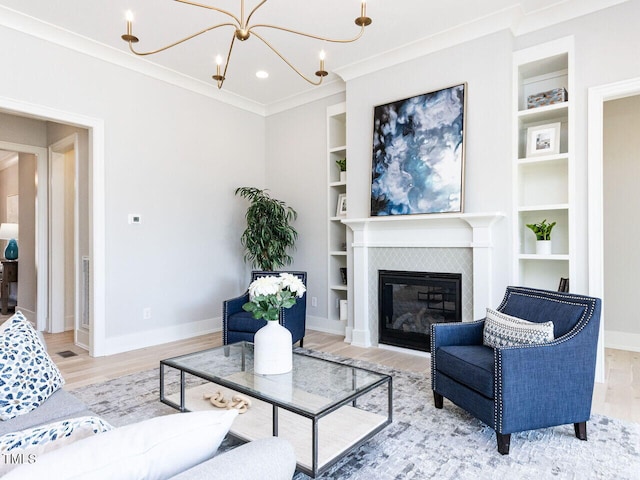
point(418, 154)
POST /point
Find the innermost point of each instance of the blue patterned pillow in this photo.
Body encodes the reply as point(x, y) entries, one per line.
point(28, 376)
point(501, 330)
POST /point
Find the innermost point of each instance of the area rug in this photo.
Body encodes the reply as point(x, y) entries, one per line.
point(423, 442)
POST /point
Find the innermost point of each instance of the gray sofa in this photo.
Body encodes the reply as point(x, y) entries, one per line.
point(271, 458)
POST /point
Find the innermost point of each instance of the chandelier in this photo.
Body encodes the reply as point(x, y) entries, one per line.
point(243, 30)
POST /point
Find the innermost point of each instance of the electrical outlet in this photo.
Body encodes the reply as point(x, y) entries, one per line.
point(146, 313)
point(314, 301)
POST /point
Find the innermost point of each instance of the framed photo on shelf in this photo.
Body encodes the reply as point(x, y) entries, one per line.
point(341, 207)
point(543, 140)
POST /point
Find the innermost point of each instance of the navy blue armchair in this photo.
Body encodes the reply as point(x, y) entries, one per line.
point(238, 325)
point(525, 387)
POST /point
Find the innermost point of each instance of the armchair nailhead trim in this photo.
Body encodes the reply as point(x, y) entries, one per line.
point(589, 304)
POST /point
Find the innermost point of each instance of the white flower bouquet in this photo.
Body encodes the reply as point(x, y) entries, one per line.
point(267, 295)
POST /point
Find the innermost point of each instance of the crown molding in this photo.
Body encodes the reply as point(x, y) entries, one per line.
point(52, 33)
point(561, 12)
point(513, 19)
point(501, 20)
point(317, 93)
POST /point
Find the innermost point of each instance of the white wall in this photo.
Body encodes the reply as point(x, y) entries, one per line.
point(621, 221)
point(606, 51)
point(297, 174)
point(172, 156)
point(485, 65)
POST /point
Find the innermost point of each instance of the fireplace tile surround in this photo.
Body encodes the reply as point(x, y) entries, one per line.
point(458, 243)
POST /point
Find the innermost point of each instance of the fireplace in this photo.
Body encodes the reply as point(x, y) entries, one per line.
point(410, 302)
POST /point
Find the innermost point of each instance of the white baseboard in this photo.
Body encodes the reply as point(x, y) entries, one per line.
point(134, 341)
point(622, 340)
point(319, 324)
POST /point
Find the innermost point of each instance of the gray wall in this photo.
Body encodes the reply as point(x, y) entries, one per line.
point(621, 215)
point(485, 65)
point(172, 156)
point(297, 174)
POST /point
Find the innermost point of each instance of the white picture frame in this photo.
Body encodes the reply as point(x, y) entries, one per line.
point(543, 140)
point(341, 206)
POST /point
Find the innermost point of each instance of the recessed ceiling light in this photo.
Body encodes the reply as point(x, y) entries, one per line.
point(262, 74)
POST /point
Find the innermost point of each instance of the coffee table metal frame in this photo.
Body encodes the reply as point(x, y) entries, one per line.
point(276, 404)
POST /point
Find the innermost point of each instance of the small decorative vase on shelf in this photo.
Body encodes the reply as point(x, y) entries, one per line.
point(343, 177)
point(543, 247)
point(272, 352)
point(11, 252)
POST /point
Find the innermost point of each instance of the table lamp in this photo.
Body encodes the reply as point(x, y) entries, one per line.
point(9, 231)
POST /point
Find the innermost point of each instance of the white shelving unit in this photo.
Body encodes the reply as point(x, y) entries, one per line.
point(543, 185)
point(337, 231)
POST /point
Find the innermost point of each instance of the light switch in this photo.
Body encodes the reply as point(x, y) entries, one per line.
point(134, 218)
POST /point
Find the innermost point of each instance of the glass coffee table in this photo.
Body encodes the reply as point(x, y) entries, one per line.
point(325, 409)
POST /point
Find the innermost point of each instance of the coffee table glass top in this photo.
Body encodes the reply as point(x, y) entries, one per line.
point(314, 385)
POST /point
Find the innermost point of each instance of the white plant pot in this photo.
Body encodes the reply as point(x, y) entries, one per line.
point(272, 351)
point(343, 177)
point(543, 247)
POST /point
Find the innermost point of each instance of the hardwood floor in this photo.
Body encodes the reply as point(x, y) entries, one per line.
point(618, 397)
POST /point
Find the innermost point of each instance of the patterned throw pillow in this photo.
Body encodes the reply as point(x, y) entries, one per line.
point(28, 376)
point(27, 445)
point(502, 330)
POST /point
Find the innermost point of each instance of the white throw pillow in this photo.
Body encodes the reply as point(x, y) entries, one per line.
point(157, 448)
point(501, 330)
point(28, 376)
point(26, 446)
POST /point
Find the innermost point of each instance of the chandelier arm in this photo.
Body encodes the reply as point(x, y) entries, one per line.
point(179, 41)
point(288, 62)
point(196, 4)
point(226, 65)
point(317, 37)
point(254, 10)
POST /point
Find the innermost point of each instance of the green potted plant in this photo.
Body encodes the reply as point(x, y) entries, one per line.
point(542, 232)
point(269, 234)
point(342, 165)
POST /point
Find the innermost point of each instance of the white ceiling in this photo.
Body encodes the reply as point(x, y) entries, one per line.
point(396, 23)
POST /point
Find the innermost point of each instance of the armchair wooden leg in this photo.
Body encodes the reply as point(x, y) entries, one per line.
point(581, 430)
point(301, 342)
point(438, 400)
point(504, 441)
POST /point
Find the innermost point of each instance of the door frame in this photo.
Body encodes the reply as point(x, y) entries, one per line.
point(595, 168)
point(97, 211)
point(62, 147)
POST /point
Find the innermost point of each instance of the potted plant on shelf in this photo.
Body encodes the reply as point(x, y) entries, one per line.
point(269, 234)
point(542, 231)
point(342, 165)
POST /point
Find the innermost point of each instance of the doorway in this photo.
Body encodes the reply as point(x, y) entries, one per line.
point(65, 292)
point(94, 205)
point(595, 134)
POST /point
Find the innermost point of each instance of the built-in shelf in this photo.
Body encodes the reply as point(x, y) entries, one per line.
point(544, 208)
point(553, 112)
point(338, 235)
point(534, 256)
point(542, 185)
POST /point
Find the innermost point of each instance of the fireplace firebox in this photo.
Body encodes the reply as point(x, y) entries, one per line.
point(410, 302)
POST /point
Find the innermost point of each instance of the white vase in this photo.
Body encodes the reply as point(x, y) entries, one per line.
point(543, 247)
point(343, 177)
point(272, 351)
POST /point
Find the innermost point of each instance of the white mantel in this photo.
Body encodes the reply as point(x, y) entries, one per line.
point(463, 230)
